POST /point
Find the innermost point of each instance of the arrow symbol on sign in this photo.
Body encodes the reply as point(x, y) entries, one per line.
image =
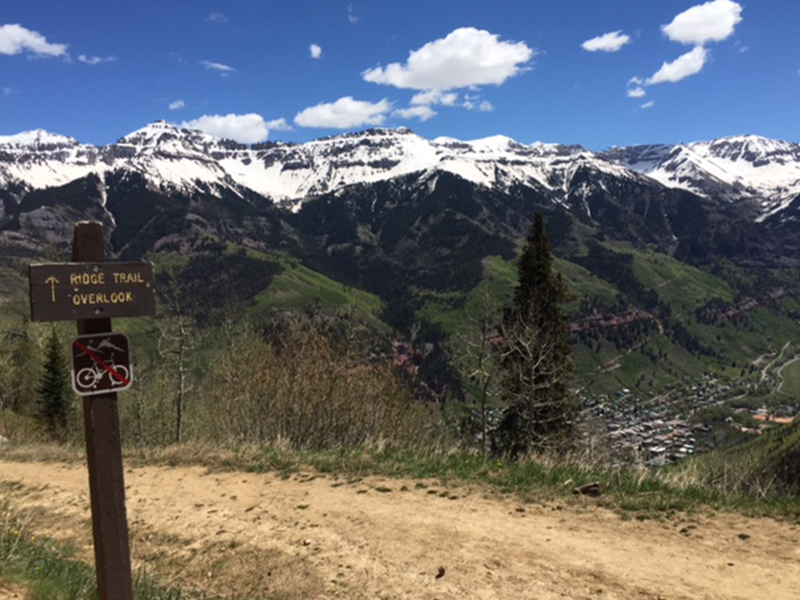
point(52, 281)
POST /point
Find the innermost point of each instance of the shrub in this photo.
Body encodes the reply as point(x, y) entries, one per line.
point(306, 392)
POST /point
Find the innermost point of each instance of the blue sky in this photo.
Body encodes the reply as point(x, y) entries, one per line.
point(592, 72)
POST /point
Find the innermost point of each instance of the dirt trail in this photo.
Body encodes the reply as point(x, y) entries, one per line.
point(11, 592)
point(317, 537)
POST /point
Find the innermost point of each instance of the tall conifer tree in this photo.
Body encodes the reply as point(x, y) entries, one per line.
point(536, 362)
point(54, 389)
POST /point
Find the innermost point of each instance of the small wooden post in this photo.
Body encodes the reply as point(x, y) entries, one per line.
point(104, 454)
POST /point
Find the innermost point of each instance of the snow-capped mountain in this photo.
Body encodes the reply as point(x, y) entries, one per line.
point(185, 161)
point(757, 172)
point(167, 157)
point(753, 169)
point(38, 159)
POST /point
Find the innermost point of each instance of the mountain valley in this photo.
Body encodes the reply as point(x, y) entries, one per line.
point(682, 260)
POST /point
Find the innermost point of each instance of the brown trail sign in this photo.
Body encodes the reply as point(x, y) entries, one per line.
point(91, 291)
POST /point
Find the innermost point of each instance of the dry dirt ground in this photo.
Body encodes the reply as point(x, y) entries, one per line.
point(11, 592)
point(264, 536)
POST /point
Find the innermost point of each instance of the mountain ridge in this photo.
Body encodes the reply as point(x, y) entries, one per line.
point(760, 174)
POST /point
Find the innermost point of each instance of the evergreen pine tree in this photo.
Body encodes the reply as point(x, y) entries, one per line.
point(54, 389)
point(536, 365)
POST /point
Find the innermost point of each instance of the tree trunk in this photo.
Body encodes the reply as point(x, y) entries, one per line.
point(181, 387)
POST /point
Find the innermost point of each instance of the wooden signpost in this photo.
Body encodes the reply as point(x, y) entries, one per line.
point(92, 291)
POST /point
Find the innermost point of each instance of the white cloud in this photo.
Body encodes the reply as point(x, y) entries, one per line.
point(636, 88)
point(608, 42)
point(430, 97)
point(216, 17)
point(647, 105)
point(344, 113)
point(223, 70)
point(471, 103)
point(15, 39)
point(352, 16)
point(279, 125)
point(9, 91)
point(685, 65)
point(710, 22)
point(177, 105)
point(95, 60)
point(467, 57)
point(245, 129)
point(315, 50)
point(423, 113)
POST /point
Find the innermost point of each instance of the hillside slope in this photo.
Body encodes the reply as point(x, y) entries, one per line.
point(768, 464)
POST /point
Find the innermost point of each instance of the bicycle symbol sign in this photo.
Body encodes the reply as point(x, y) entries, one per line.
point(100, 364)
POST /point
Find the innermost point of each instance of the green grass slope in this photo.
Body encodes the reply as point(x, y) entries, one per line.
point(297, 286)
point(764, 466)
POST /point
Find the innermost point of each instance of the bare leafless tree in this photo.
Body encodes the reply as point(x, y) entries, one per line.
point(540, 410)
point(177, 340)
point(475, 351)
